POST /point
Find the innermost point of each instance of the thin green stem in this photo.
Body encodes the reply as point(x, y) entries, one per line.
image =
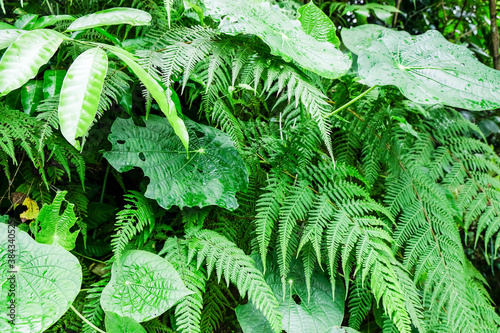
point(89, 258)
point(354, 100)
point(104, 184)
point(86, 320)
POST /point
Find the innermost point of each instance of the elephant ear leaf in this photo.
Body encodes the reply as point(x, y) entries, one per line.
point(317, 24)
point(111, 16)
point(46, 280)
point(80, 94)
point(24, 57)
point(211, 175)
point(143, 285)
point(284, 36)
point(360, 38)
point(428, 69)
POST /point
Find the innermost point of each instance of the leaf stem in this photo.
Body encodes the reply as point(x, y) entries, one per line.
point(89, 258)
point(354, 100)
point(86, 320)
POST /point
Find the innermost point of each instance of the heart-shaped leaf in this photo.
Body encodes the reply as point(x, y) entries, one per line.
point(41, 280)
point(211, 174)
point(317, 24)
point(55, 227)
point(284, 36)
point(80, 93)
point(143, 285)
point(161, 96)
point(118, 324)
point(111, 16)
point(430, 70)
point(360, 38)
point(25, 56)
point(318, 313)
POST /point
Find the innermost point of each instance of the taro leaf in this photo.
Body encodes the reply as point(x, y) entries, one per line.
point(31, 95)
point(111, 16)
point(8, 36)
point(143, 285)
point(163, 98)
point(80, 93)
point(360, 38)
point(52, 82)
point(285, 37)
point(118, 324)
point(25, 56)
point(48, 280)
point(317, 24)
point(430, 70)
point(321, 313)
point(211, 175)
point(55, 227)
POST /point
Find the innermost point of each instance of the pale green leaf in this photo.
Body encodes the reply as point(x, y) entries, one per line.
point(361, 38)
point(118, 324)
point(211, 175)
point(80, 94)
point(48, 280)
point(25, 56)
point(251, 319)
point(317, 24)
point(143, 285)
point(111, 16)
point(54, 227)
point(430, 70)
point(284, 36)
point(8, 36)
point(161, 96)
point(46, 21)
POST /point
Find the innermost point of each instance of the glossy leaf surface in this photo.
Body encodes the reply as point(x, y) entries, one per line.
point(25, 56)
point(143, 285)
point(80, 93)
point(284, 36)
point(52, 82)
point(48, 280)
point(317, 24)
point(162, 97)
point(8, 36)
point(360, 38)
point(55, 226)
point(49, 20)
point(31, 95)
point(111, 16)
point(430, 70)
point(211, 175)
point(118, 324)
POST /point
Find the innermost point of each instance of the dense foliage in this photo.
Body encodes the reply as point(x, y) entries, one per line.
point(223, 165)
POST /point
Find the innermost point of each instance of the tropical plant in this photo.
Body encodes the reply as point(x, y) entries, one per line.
point(240, 167)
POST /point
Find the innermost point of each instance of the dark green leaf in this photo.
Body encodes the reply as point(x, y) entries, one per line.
point(211, 175)
point(315, 23)
point(52, 82)
point(31, 95)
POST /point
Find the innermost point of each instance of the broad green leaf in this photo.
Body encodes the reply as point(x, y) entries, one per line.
point(31, 95)
point(4, 25)
point(161, 96)
point(26, 21)
point(52, 82)
point(285, 37)
point(8, 36)
point(48, 280)
point(46, 21)
point(211, 175)
point(383, 12)
point(80, 94)
point(430, 70)
point(118, 324)
point(111, 17)
point(361, 38)
point(143, 285)
point(53, 228)
point(25, 56)
point(317, 24)
point(321, 313)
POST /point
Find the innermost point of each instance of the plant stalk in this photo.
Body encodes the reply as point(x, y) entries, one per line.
point(354, 100)
point(85, 319)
